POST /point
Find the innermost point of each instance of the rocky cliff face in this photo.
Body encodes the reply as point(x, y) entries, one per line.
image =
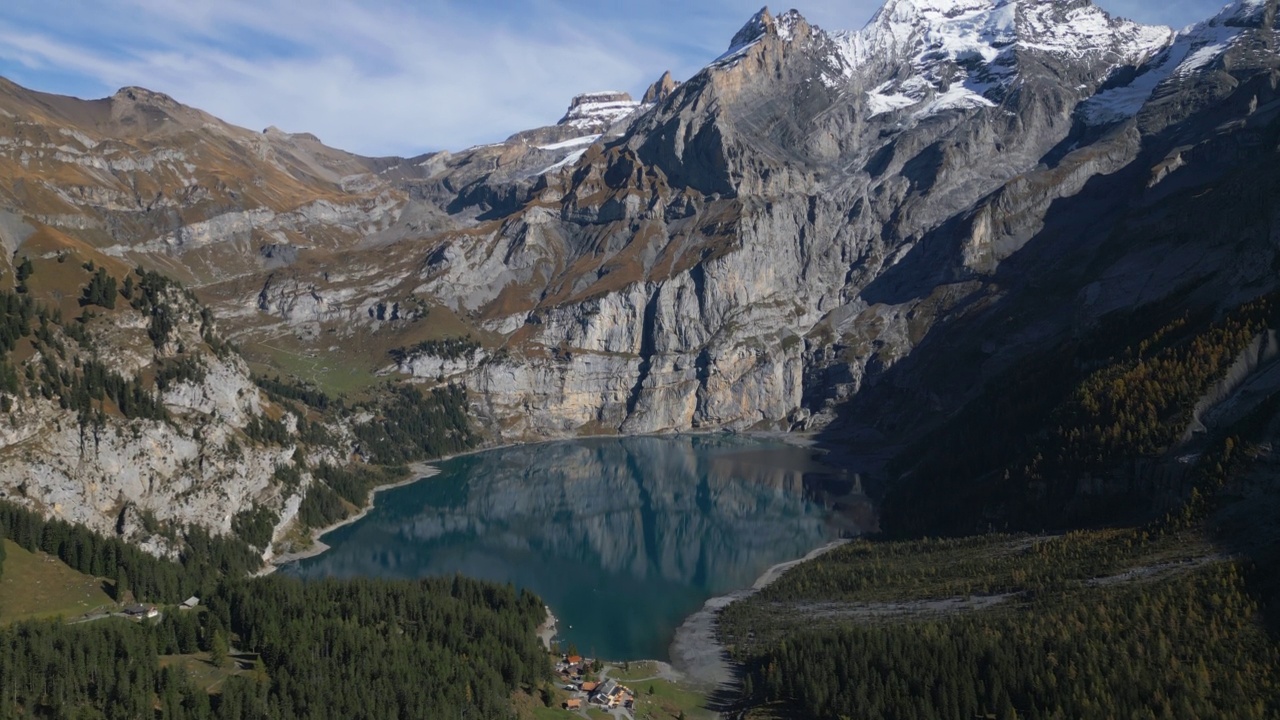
point(123, 409)
point(194, 470)
point(800, 216)
point(763, 245)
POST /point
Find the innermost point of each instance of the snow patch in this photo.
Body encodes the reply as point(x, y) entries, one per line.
point(733, 55)
point(760, 25)
point(879, 102)
point(572, 158)
point(957, 98)
point(757, 27)
point(1241, 10)
point(575, 142)
point(590, 111)
point(1192, 50)
point(1201, 57)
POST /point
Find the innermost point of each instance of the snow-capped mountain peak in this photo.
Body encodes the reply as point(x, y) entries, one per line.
point(758, 26)
point(1241, 11)
point(595, 111)
point(1192, 50)
point(761, 25)
point(947, 54)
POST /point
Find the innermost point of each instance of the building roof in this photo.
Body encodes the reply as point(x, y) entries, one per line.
point(573, 703)
point(574, 659)
point(589, 686)
point(138, 611)
point(191, 601)
point(607, 688)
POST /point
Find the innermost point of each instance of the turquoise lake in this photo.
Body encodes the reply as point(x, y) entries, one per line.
point(622, 537)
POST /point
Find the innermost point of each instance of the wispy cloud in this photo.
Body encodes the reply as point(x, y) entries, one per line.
point(389, 78)
point(395, 76)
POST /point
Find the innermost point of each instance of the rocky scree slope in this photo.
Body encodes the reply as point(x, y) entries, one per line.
point(814, 229)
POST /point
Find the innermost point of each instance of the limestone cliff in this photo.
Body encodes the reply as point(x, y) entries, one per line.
point(136, 417)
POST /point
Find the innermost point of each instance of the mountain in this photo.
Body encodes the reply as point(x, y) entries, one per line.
point(859, 233)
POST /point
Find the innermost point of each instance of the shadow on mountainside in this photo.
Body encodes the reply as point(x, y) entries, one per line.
point(1247, 525)
point(1070, 294)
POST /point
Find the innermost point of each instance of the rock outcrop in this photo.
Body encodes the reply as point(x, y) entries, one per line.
point(136, 418)
point(660, 90)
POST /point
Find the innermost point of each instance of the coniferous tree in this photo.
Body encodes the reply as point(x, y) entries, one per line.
point(218, 648)
point(121, 583)
point(100, 291)
point(22, 272)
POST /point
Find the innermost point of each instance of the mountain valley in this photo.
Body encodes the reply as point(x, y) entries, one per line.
point(1012, 263)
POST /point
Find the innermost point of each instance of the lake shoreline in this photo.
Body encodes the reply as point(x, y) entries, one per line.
point(696, 651)
point(547, 630)
point(702, 664)
point(417, 471)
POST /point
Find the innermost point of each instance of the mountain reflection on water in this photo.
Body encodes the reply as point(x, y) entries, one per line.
point(622, 537)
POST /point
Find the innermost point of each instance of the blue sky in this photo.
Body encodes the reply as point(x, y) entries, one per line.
point(398, 76)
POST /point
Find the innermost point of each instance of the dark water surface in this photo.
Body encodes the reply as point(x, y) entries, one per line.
point(622, 537)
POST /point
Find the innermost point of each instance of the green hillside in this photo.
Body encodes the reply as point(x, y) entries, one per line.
point(35, 585)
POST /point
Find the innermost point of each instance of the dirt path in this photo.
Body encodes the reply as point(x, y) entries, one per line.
point(906, 608)
point(897, 609)
point(1152, 572)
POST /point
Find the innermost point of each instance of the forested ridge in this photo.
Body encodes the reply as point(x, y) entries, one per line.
point(203, 559)
point(72, 375)
point(404, 424)
point(434, 648)
point(326, 649)
point(281, 648)
point(1163, 614)
point(1093, 409)
point(1150, 622)
point(1182, 648)
point(449, 348)
point(46, 355)
point(410, 424)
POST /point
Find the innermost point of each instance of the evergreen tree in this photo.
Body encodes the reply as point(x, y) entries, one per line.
point(24, 269)
point(121, 583)
point(219, 648)
point(22, 272)
point(100, 291)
